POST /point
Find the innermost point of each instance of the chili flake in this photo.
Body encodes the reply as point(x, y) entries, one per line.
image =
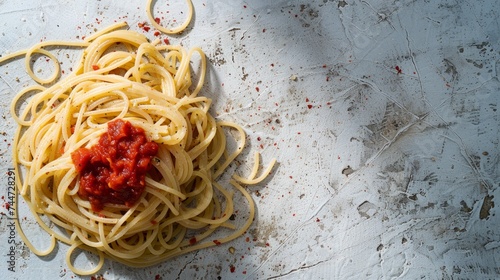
point(400, 71)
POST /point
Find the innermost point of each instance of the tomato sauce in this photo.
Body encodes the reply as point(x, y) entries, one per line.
point(114, 170)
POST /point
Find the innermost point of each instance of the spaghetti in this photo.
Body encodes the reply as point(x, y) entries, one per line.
point(122, 76)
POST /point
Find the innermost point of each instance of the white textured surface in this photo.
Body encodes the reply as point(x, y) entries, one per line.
point(420, 147)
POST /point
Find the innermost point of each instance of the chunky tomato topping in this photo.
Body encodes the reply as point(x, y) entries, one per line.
point(114, 170)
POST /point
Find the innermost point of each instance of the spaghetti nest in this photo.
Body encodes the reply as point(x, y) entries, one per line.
point(123, 76)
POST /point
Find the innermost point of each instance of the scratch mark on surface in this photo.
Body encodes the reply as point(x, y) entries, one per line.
point(34, 9)
point(433, 20)
point(318, 209)
point(292, 234)
point(393, 140)
point(185, 265)
point(274, 252)
point(304, 266)
point(7, 83)
point(468, 158)
point(257, 17)
point(382, 16)
point(412, 57)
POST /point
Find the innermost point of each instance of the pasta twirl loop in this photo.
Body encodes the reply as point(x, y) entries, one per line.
point(165, 30)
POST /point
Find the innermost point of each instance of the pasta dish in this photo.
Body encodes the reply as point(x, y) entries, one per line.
point(123, 155)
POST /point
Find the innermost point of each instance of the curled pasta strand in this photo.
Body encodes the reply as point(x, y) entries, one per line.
point(175, 30)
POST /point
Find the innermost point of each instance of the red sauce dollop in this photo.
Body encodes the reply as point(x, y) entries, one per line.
point(114, 170)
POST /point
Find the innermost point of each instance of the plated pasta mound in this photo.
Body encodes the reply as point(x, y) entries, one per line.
point(123, 155)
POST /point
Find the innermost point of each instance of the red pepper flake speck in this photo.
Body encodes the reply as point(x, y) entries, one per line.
point(257, 89)
point(398, 69)
point(7, 206)
point(157, 33)
point(318, 220)
point(307, 99)
point(154, 222)
point(258, 138)
point(157, 277)
point(263, 30)
point(244, 272)
point(166, 41)
point(192, 241)
point(245, 6)
point(217, 242)
point(157, 20)
point(247, 239)
point(232, 268)
point(95, 67)
point(324, 65)
point(309, 106)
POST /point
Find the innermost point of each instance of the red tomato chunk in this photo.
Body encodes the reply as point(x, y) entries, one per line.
point(114, 170)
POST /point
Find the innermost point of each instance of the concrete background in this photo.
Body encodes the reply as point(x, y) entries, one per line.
point(383, 116)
